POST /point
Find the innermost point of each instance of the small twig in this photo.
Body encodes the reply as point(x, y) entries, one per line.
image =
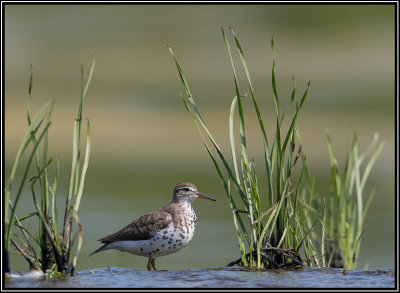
point(270, 260)
point(30, 246)
point(299, 151)
point(263, 215)
point(309, 230)
point(235, 262)
point(286, 252)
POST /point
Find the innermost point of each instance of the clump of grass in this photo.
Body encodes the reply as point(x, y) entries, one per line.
point(348, 204)
point(269, 226)
point(273, 226)
point(341, 211)
point(47, 250)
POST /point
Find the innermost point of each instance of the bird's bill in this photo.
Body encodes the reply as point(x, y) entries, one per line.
point(200, 195)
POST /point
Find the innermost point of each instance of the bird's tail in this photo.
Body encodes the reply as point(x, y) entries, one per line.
point(104, 247)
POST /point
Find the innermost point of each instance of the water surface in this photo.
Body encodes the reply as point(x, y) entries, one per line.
point(113, 277)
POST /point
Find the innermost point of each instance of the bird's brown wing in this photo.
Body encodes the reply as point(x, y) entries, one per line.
point(142, 228)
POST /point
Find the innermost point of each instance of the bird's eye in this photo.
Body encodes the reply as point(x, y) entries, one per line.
point(186, 189)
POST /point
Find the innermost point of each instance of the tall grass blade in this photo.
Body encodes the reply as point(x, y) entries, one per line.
point(274, 89)
point(240, 105)
point(24, 144)
point(232, 137)
point(23, 180)
point(84, 169)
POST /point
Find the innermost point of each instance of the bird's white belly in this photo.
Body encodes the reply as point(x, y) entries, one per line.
point(166, 241)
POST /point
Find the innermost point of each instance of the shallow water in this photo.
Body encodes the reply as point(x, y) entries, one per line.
point(113, 277)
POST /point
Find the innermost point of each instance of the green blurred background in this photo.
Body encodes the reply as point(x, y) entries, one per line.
point(144, 142)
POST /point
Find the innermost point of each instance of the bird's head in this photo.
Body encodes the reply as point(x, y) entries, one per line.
point(188, 192)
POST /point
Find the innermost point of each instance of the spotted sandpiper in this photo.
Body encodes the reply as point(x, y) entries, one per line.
point(160, 232)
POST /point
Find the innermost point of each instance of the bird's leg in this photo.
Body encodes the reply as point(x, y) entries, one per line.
point(148, 264)
point(153, 263)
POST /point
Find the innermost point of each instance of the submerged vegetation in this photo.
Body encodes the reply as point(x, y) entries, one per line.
point(277, 228)
point(48, 249)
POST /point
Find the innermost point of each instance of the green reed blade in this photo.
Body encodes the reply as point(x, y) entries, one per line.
point(53, 189)
point(90, 77)
point(182, 77)
point(274, 88)
point(20, 219)
point(293, 123)
point(231, 136)
point(368, 204)
point(242, 127)
point(252, 198)
point(79, 236)
point(358, 186)
point(19, 192)
point(84, 169)
point(29, 96)
point(190, 98)
point(24, 144)
point(370, 147)
point(240, 105)
point(293, 95)
point(370, 164)
point(74, 184)
point(255, 190)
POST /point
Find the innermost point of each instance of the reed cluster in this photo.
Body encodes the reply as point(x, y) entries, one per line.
point(343, 209)
point(276, 228)
point(48, 249)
